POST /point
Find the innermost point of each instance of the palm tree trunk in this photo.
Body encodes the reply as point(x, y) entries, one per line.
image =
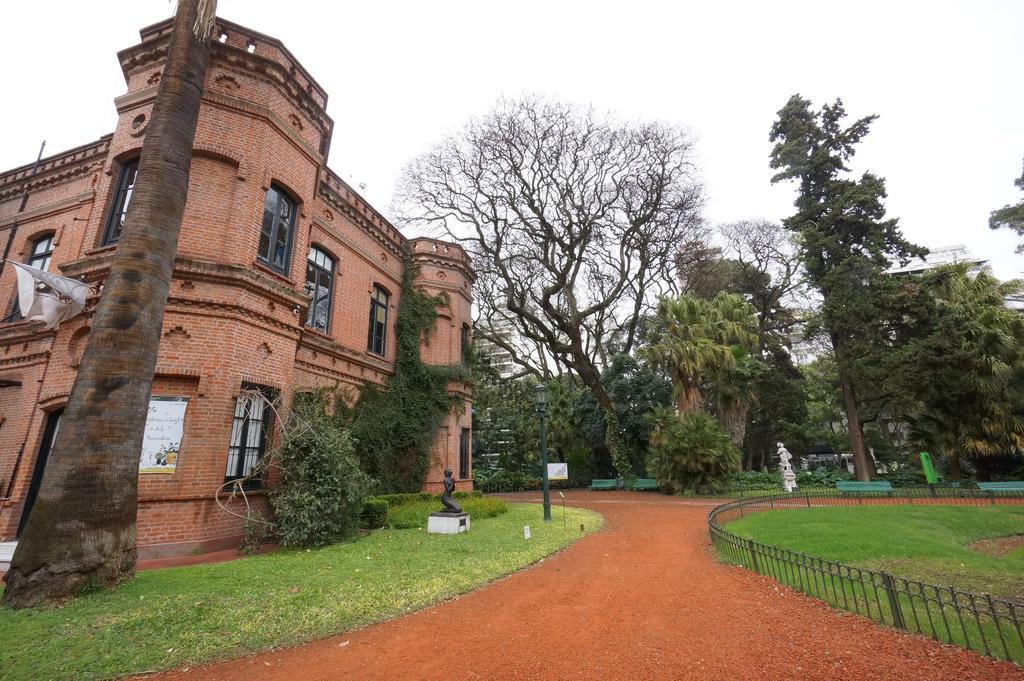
point(687, 397)
point(733, 418)
point(82, 527)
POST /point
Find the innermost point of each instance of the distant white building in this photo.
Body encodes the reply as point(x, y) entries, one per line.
point(938, 257)
point(498, 357)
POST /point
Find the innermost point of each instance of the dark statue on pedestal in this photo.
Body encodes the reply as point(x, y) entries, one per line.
point(450, 506)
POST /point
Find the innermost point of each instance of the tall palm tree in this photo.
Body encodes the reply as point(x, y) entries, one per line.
point(693, 338)
point(981, 410)
point(736, 392)
point(81, 530)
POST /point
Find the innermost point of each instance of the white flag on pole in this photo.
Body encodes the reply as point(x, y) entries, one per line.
point(48, 298)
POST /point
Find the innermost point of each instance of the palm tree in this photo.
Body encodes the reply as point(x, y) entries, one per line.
point(693, 338)
point(736, 392)
point(81, 530)
point(980, 410)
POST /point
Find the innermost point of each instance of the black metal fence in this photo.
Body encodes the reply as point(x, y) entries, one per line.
point(991, 626)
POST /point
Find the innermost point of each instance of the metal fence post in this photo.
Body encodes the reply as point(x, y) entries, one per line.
point(753, 556)
point(894, 601)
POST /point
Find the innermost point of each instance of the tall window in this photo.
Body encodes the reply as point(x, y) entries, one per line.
point(464, 454)
point(377, 340)
point(38, 257)
point(319, 284)
point(249, 429)
point(125, 186)
point(464, 340)
point(276, 233)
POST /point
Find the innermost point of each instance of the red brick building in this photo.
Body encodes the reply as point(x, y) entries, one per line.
point(286, 280)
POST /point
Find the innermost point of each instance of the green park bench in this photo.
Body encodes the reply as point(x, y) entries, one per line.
point(1009, 486)
point(602, 484)
point(855, 486)
point(644, 484)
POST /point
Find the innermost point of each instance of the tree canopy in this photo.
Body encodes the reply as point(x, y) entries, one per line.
point(573, 220)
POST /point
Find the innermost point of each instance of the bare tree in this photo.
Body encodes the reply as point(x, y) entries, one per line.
point(573, 221)
point(770, 276)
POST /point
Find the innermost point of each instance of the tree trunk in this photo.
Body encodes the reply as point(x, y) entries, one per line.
point(687, 397)
point(862, 467)
point(613, 430)
point(955, 472)
point(82, 527)
point(734, 419)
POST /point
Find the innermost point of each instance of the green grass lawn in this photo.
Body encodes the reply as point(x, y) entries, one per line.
point(183, 616)
point(932, 544)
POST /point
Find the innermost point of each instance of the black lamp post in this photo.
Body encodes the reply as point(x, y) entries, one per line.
point(542, 402)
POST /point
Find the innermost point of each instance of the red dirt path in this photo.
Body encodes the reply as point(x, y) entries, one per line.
point(643, 599)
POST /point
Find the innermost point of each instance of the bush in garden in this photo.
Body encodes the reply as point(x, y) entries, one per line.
point(375, 513)
point(319, 497)
point(690, 453)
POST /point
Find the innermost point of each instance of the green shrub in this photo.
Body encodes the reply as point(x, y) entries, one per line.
point(821, 477)
point(691, 453)
point(319, 497)
point(753, 480)
point(375, 513)
point(413, 514)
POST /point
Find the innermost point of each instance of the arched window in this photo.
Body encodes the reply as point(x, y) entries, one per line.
point(319, 287)
point(276, 233)
point(123, 197)
point(39, 256)
point(377, 338)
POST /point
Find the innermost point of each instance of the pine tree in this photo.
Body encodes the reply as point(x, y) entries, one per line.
point(846, 241)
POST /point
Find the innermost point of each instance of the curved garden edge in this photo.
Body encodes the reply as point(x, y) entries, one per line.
point(166, 619)
point(991, 626)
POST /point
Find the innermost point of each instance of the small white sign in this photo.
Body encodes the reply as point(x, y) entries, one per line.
point(558, 471)
point(526, 531)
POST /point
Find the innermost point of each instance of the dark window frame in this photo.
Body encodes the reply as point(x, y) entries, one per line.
point(239, 438)
point(14, 314)
point(319, 273)
point(272, 232)
point(464, 453)
point(377, 334)
point(126, 181)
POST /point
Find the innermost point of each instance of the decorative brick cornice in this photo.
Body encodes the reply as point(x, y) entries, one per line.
point(284, 75)
point(363, 217)
point(55, 169)
point(442, 254)
point(49, 209)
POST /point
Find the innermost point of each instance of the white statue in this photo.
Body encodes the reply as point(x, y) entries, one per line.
point(786, 468)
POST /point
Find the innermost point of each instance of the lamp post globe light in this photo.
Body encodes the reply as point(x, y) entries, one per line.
point(541, 392)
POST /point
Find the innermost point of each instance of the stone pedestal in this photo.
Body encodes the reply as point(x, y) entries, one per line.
point(789, 480)
point(447, 523)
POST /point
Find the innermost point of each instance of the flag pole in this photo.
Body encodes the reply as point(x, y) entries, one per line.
point(21, 209)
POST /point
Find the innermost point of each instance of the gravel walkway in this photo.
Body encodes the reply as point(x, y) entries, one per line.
point(643, 599)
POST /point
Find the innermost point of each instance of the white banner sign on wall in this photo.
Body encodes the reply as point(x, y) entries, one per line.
point(161, 442)
point(558, 471)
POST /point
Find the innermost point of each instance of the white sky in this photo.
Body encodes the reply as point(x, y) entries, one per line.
point(946, 78)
